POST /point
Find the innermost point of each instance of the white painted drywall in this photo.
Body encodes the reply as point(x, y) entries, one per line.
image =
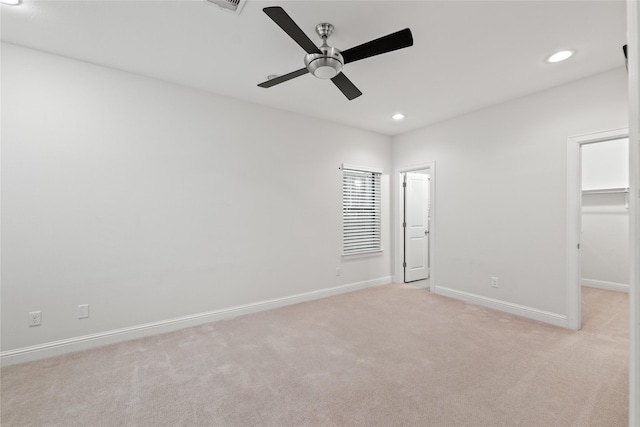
point(605, 217)
point(149, 201)
point(500, 188)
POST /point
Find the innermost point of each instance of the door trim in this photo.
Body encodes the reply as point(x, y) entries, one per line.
point(574, 218)
point(633, 49)
point(398, 270)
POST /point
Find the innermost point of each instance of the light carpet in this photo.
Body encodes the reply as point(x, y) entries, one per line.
point(386, 356)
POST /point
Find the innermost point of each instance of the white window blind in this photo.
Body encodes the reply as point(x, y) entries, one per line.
point(360, 211)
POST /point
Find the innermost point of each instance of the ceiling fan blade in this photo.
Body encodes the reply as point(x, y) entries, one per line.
point(346, 87)
point(388, 43)
point(282, 79)
point(284, 21)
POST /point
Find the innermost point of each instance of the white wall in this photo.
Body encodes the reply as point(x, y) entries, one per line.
point(605, 217)
point(150, 201)
point(500, 202)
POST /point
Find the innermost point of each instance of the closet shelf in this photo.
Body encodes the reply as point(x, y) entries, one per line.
point(606, 191)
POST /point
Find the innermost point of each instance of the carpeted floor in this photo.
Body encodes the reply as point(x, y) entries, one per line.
point(385, 356)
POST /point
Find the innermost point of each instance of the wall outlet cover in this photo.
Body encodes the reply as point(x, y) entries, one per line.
point(35, 318)
point(494, 282)
point(83, 311)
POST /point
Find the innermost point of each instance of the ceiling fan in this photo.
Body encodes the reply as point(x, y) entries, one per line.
point(326, 62)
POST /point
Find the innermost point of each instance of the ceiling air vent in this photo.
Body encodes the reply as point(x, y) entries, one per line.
point(234, 6)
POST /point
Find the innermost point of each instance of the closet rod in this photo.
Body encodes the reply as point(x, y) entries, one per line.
point(607, 191)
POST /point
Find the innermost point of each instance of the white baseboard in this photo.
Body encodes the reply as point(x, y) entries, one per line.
point(609, 286)
point(508, 307)
point(56, 348)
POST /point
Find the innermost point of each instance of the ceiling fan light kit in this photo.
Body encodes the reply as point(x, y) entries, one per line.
point(326, 62)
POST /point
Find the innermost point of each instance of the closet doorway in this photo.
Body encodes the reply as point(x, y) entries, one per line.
point(605, 215)
point(597, 218)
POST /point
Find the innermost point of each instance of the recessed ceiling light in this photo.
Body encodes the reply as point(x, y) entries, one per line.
point(562, 55)
point(398, 116)
point(11, 2)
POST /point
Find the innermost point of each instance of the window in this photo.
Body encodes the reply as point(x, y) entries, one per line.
point(360, 210)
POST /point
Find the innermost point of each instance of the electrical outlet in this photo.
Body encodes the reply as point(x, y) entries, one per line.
point(35, 318)
point(338, 271)
point(83, 311)
point(494, 282)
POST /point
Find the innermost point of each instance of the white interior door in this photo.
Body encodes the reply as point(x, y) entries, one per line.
point(416, 226)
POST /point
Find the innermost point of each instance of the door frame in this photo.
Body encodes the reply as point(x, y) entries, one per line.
point(398, 271)
point(633, 50)
point(574, 218)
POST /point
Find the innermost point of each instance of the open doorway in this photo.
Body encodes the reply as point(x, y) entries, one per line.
point(597, 221)
point(415, 230)
point(604, 264)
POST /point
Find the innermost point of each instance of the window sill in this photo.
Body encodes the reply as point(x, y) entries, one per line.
point(362, 255)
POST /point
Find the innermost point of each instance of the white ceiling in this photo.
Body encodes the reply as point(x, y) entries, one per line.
point(466, 55)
